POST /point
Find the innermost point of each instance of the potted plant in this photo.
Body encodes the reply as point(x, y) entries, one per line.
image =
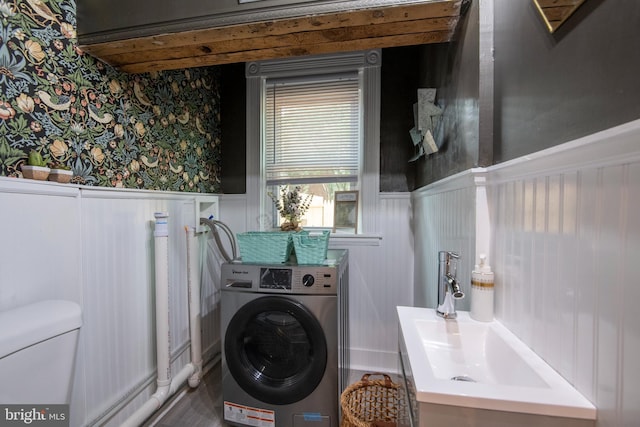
point(60, 173)
point(292, 206)
point(36, 168)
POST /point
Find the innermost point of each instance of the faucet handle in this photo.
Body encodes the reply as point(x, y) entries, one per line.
point(452, 267)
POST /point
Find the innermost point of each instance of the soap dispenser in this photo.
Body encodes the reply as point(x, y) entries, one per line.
point(482, 291)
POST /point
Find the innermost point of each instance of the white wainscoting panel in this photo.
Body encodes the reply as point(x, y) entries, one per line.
point(564, 231)
point(566, 225)
point(380, 278)
point(444, 219)
point(118, 338)
point(118, 269)
point(95, 247)
point(40, 242)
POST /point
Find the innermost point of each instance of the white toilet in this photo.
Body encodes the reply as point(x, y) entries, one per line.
point(37, 352)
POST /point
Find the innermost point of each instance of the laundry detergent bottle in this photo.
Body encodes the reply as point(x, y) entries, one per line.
point(482, 291)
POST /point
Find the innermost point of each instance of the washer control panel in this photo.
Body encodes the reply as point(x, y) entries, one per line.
point(292, 279)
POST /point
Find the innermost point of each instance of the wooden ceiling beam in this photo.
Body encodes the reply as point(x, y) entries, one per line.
point(416, 23)
point(292, 40)
point(289, 51)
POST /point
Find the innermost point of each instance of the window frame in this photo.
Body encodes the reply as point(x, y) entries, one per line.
point(368, 64)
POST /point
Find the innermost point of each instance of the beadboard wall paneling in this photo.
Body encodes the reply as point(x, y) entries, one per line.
point(118, 337)
point(444, 219)
point(380, 278)
point(95, 247)
point(40, 242)
point(118, 276)
point(563, 228)
point(566, 253)
point(110, 272)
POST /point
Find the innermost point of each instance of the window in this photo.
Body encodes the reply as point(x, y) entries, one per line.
point(313, 139)
point(313, 122)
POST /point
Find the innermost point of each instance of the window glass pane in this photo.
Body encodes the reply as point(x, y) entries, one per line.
point(320, 212)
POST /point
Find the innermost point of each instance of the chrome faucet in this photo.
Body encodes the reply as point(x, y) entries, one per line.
point(448, 287)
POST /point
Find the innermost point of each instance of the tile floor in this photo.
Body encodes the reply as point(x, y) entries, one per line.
point(201, 407)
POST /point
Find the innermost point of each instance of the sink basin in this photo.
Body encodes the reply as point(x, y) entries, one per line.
point(482, 366)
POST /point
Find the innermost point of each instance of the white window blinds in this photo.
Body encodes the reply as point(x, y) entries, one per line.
point(312, 130)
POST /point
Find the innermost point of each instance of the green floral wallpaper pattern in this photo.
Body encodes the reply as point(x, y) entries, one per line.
point(151, 131)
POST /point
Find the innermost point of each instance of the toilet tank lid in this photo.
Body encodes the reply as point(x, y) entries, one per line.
point(30, 324)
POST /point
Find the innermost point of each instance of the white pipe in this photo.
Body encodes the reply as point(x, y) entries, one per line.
point(163, 337)
point(158, 398)
point(191, 371)
point(194, 281)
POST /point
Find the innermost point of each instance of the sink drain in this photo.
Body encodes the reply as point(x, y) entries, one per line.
point(463, 378)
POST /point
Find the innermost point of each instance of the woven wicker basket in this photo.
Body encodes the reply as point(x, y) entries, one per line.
point(265, 246)
point(310, 248)
point(374, 403)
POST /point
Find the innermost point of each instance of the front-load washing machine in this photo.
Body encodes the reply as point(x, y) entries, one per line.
point(284, 342)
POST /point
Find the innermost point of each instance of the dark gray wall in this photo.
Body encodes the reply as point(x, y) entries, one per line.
point(453, 69)
point(400, 76)
point(550, 89)
point(399, 89)
point(233, 112)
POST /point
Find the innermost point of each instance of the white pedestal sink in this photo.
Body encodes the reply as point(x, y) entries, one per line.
point(466, 373)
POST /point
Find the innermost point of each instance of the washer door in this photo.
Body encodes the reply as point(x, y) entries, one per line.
point(276, 350)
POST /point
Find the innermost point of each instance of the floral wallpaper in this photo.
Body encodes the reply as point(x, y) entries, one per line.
point(151, 131)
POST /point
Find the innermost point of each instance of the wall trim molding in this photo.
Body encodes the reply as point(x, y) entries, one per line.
point(300, 66)
point(615, 146)
point(128, 193)
point(395, 196)
point(48, 188)
point(465, 179)
point(42, 188)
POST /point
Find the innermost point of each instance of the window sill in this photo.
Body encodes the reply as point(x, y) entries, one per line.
point(339, 240)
